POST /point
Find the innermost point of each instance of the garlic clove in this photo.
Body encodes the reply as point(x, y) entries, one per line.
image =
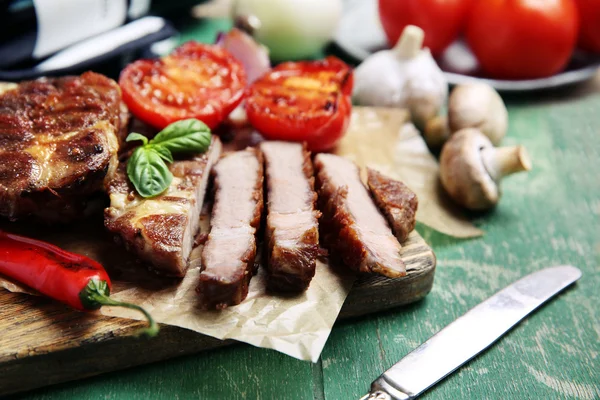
point(427, 88)
point(436, 131)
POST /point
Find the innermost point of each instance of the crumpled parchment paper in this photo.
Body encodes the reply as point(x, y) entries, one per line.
point(295, 325)
point(382, 138)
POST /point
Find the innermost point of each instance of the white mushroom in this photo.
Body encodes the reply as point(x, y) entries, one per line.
point(471, 168)
point(405, 76)
point(478, 105)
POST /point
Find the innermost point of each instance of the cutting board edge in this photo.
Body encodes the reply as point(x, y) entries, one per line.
point(35, 371)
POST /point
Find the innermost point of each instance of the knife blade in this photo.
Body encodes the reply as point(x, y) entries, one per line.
point(470, 334)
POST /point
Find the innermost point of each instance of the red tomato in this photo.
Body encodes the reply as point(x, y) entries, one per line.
point(195, 81)
point(521, 39)
point(306, 101)
point(589, 33)
point(441, 20)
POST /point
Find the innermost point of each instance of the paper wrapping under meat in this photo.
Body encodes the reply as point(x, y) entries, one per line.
point(295, 325)
point(298, 326)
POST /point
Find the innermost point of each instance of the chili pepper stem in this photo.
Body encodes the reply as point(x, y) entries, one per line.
point(96, 294)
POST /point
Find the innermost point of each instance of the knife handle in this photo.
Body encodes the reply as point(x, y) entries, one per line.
point(381, 389)
point(377, 395)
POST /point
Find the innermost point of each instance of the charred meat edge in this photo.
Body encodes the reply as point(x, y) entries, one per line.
point(292, 232)
point(352, 226)
point(59, 139)
point(396, 201)
point(229, 253)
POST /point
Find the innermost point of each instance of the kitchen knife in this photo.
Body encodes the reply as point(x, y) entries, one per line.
point(464, 338)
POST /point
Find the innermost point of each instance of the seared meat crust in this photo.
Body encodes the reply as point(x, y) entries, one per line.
point(396, 201)
point(352, 227)
point(59, 139)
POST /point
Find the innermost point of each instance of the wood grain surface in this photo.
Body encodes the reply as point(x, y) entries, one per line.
point(42, 342)
point(549, 216)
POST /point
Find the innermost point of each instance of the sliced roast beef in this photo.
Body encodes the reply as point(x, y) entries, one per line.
point(59, 139)
point(228, 255)
point(161, 229)
point(352, 225)
point(292, 234)
point(396, 201)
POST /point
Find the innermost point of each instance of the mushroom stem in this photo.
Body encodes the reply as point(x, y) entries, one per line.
point(502, 161)
point(410, 43)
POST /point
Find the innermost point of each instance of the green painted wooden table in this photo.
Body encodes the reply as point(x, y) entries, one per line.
point(547, 217)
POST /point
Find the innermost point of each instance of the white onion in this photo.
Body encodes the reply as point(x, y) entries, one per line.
point(292, 29)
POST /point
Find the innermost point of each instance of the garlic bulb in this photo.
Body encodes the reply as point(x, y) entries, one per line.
point(405, 76)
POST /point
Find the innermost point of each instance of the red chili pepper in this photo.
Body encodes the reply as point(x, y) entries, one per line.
point(73, 279)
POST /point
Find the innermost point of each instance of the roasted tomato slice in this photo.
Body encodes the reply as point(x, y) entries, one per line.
point(306, 101)
point(195, 81)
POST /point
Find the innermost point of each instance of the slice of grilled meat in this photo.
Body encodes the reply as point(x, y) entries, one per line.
point(352, 226)
point(161, 230)
point(396, 201)
point(59, 139)
point(228, 255)
point(292, 234)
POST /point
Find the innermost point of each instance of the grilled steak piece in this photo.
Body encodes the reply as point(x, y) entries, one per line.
point(351, 225)
point(59, 139)
point(161, 229)
point(228, 255)
point(396, 201)
point(292, 234)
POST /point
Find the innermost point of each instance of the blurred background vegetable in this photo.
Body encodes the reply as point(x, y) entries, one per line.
point(441, 20)
point(291, 29)
point(589, 31)
point(521, 39)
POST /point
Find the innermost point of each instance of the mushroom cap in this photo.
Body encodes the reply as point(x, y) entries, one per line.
point(478, 105)
point(463, 173)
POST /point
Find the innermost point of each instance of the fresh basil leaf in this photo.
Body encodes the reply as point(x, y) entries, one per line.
point(162, 151)
point(188, 135)
point(137, 136)
point(148, 172)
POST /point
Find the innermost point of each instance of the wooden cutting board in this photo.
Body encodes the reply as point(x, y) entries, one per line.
point(43, 342)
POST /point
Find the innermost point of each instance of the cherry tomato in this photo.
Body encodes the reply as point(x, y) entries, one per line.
point(589, 32)
point(306, 101)
point(522, 39)
point(195, 81)
point(441, 20)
